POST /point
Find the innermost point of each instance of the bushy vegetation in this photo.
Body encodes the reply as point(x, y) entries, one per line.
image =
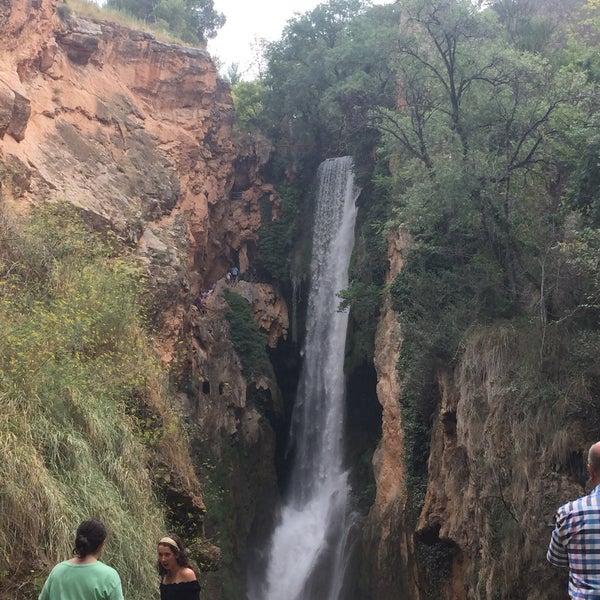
point(189, 21)
point(368, 268)
point(477, 123)
point(248, 99)
point(91, 10)
point(282, 241)
point(193, 21)
point(74, 358)
point(249, 342)
point(330, 67)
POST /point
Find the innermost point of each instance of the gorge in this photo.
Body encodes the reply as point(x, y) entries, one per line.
point(134, 177)
point(309, 549)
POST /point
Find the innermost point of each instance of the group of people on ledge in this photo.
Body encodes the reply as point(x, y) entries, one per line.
point(231, 277)
point(85, 576)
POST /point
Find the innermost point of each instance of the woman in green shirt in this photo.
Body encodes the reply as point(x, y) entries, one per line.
point(84, 577)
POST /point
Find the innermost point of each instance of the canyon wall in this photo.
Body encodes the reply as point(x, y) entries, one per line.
point(136, 132)
point(387, 534)
point(138, 135)
point(502, 457)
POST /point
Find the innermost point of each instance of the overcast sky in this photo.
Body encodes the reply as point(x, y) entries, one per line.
point(249, 20)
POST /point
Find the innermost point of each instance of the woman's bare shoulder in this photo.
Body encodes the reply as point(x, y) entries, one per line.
point(187, 574)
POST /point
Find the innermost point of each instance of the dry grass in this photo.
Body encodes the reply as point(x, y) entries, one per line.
point(63, 461)
point(73, 356)
point(92, 11)
point(515, 426)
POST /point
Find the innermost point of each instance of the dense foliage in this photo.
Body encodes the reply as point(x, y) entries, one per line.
point(367, 271)
point(190, 20)
point(73, 354)
point(249, 342)
point(279, 236)
point(330, 66)
point(474, 130)
point(482, 148)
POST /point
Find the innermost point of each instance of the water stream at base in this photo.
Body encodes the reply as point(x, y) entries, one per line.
point(309, 546)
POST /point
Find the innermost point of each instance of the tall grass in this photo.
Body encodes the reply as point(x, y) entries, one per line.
point(74, 356)
point(95, 12)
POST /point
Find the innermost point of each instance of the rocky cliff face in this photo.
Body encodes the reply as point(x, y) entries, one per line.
point(502, 458)
point(138, 134)
point(235, 441)
point(387, 534)
point(134, 131)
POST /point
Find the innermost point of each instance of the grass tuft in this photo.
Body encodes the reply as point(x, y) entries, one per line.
point(73, 355)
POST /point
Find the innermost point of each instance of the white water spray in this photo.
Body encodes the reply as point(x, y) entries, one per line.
point(308, 552)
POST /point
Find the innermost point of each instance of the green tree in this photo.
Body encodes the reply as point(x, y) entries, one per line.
point(535, 25)
point(329, 63)
point(249, 341)
point(234, 75)
point(475, 131)
point(173, 16)
point(479, 146)
point(191, 20)
point(248, 99)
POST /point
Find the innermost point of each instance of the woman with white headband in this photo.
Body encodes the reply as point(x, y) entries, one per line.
point(178, 580)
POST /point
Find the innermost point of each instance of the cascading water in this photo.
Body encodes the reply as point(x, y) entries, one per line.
point(308, 552)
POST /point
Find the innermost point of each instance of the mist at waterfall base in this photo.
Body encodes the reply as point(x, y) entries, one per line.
point(310, 545)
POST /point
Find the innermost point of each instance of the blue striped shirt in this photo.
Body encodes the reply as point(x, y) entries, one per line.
point(575, 543)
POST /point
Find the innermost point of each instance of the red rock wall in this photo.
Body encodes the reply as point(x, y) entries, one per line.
point(138, 133)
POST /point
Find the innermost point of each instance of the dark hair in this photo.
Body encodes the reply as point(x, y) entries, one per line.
point(181, 556)
point(90, 534)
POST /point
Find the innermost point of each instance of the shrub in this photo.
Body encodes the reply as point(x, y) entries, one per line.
point(73, 353)
point(249, 342)
point(278, 237)
point(64, 11)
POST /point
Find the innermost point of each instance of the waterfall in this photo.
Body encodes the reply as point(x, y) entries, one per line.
point(308, 551)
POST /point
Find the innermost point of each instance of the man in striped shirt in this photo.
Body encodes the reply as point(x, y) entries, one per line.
point(575, 541)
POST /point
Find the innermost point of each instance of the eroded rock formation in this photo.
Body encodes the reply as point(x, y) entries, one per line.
point(138, 135)
point(388, 540)
point(502, 458)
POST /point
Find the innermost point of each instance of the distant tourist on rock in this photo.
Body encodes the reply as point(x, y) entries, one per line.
point(234, 274)
point(178, 580)
point(199, 303)
point(84, 577)
point(575, 541)
point(228, 277)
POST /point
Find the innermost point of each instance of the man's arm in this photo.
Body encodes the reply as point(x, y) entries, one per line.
point(557, 552)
